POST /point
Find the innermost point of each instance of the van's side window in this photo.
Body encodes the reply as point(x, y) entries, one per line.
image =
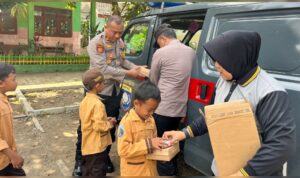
point(180, 34)
point(135, 39)
point(193, 43)
point(188, 30)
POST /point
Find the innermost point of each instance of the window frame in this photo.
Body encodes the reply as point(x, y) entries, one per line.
point(14, 26)
point(59, 15)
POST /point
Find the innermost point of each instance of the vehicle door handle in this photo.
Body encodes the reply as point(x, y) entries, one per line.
point(203, 91)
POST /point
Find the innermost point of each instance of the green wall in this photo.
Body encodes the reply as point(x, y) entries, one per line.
point(22, 22)
point(76, 22)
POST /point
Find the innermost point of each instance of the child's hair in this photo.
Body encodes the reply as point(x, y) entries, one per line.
point(91, 77)
point(146, 90)
point(5, 70)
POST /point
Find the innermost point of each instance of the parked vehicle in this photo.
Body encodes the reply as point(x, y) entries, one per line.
point(278, 24)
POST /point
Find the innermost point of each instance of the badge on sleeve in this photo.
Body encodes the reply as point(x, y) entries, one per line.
point(110, 58)
point(108, 45)
point(121, 131)
point(99, 48)
point(123, 54)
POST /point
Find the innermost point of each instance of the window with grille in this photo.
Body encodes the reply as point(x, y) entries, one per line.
point(8, 23)
point(52, 22)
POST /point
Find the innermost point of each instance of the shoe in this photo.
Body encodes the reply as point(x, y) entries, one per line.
point(77, 170)
point(110, 167)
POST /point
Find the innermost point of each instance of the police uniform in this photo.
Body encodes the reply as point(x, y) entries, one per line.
point(134, 144)
point(171, 71)
point(109, 57)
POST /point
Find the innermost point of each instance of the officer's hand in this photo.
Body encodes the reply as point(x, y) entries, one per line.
point(157, 143)
point(173, 136)
point(135, 72)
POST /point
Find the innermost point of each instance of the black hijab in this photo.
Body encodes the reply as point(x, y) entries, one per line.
point(236, 51)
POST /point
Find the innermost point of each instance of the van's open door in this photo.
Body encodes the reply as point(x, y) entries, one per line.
point(278, 25)
point(137, 38)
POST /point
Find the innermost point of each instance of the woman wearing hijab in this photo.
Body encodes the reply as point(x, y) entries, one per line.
point(235, 54)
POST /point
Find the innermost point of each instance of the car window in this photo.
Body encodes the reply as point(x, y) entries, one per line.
point(188, 29)
point(280, 38)
point(193, 43)
point(180, 34)
point(135, 39)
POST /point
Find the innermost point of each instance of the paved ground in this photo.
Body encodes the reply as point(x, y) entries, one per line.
point(52, 153)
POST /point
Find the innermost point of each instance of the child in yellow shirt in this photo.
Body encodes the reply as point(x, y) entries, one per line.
point(10, 161)
point(95, 126)
point(137, 133)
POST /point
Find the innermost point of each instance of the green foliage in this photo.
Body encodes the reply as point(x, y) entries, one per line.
point(86, 31)
point(129, 10)
point(94, 30)
point(138, 40)
point(70, 5)
point(135, 40)
point(15, 8)
point(20, 8)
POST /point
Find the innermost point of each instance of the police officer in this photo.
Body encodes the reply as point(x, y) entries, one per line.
point(107, 52)
point(170, 70)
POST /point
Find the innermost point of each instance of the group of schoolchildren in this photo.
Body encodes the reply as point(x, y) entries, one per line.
point(137, 135)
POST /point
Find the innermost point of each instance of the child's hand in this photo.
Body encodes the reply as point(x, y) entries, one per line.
point(112, 120)
point(157, 143)
point(17, 161)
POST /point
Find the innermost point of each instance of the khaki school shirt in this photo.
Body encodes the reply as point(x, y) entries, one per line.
point(94, 125)
point(134, 136)
point(7, 139)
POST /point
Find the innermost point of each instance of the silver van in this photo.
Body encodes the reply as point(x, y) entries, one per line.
point(279, 26)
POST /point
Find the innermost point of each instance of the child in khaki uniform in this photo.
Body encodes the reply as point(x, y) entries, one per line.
point(10, 161)
point(137, 134)
point(95, 126)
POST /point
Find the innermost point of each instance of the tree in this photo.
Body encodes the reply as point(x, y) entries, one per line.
point(19, 8)
point(129, 10)
point(70, 5)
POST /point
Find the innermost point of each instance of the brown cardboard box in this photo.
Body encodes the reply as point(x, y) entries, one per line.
point(165, 154)
point(233, 135)
point(145, 71)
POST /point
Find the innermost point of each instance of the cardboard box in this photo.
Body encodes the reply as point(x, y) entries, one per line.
point(233, 135)
point(165, 154)
point(145, 71)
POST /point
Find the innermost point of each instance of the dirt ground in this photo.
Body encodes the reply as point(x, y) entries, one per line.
point(54, 98)
point(52, 153)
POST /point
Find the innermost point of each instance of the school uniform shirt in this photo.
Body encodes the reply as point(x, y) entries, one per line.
point(7, 139)
point(109, 57)
point(134, 144)
point(94, 125)
point(171, 71)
